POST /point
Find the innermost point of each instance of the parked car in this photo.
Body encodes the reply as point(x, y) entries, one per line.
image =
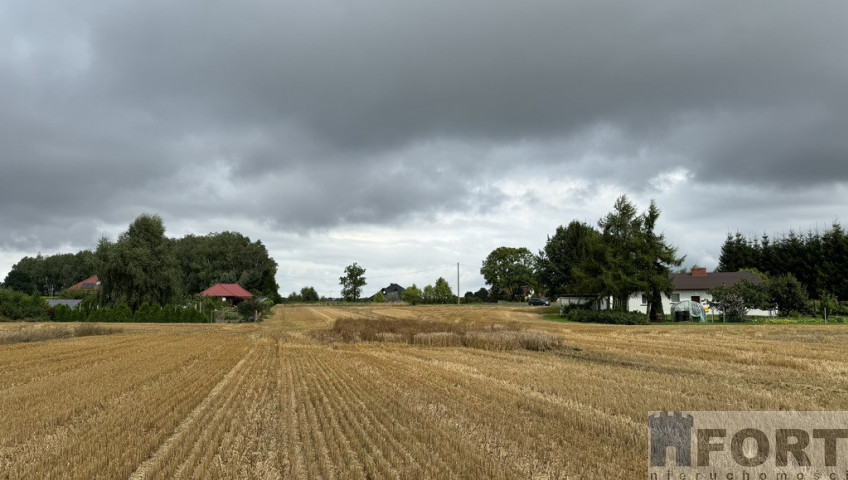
point(539, 301)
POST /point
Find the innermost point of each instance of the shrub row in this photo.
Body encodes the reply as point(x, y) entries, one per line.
point(122, 313)
point(606, 316)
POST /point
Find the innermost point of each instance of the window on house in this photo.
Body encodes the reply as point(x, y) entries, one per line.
point(675, 297)
point(644, 299)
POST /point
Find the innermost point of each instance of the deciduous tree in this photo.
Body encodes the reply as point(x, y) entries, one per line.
point(567, 249)
point(412, 295)
point(352, 282)
point(139, 267)
point(308, 294)
point(509, 270)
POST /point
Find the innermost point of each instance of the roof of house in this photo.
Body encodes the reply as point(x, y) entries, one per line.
point(227, 290)
point(52, 302)
point(90, 283)
point(706, 281)
point(393, 288)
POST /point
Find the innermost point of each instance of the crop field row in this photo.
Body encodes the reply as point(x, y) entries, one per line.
point(289, 399)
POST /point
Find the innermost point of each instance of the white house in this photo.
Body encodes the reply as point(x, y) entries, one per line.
point(694, 286)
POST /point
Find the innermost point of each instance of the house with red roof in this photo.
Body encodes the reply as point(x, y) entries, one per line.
point(232, 293)
point(91, 284)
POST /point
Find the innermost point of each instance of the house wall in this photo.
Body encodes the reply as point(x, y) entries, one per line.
point(634, 303)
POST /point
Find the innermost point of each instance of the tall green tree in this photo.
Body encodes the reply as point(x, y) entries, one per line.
point(440, 293)
point(787, 294)
point(140, 267)
point(566, 250)
point(655, 259)
point(621, 232)
point(629, 256)
point(509, 271)
point(308, 294)
point(352, 282)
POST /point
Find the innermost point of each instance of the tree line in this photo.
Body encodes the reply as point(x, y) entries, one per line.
point(816, 259)
point(623, 255)
point(143, 266)
point(49, 275)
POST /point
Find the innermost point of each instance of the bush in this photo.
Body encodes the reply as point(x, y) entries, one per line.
point(18, 306)
point(190, 315)
point(100, 315)
point(565, 310)
point(146, 313)
point(247, 309)
point(121, 313)
point(606, 316)
point(733, 307)
point(169, 314)
point(787, 294)
point(828, 302)
point(64, 313)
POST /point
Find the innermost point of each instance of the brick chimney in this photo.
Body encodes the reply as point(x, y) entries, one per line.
point(699, 272)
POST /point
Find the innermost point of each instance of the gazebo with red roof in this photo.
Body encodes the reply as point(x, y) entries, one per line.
point(232, 293)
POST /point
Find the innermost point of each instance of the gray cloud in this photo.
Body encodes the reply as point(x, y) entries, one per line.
point(314, 116)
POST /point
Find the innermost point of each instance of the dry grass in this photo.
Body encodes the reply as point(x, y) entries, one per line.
point(30, 333)
point(271, 401)
point(440, 334)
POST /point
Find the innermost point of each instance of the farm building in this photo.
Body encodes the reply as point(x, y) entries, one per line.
point(694, 286)
point(393, 288)
point(91, 284)
point(232, 293)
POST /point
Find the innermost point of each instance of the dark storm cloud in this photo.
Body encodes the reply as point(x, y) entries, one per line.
point(371, 77)
point(315, 114)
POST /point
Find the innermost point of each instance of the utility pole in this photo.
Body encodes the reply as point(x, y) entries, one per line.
point(457, 283)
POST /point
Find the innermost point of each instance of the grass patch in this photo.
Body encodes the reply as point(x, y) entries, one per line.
point(32, 334)
point(441, 334)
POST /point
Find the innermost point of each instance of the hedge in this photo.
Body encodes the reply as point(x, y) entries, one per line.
point(606, 316)
point(122, 313)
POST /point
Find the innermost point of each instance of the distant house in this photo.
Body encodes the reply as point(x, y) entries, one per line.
point(91, 284)
point(232, 293)
point(694, 286)
point(393, 288)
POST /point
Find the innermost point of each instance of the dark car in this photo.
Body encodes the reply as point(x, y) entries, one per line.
point(539, 301)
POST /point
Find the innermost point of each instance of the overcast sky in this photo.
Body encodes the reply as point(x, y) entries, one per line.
point(409, 136)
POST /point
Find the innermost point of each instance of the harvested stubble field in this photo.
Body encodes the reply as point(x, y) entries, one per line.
point(296, 397)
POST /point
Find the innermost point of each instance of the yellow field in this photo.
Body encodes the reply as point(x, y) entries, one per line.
point(285, 400)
